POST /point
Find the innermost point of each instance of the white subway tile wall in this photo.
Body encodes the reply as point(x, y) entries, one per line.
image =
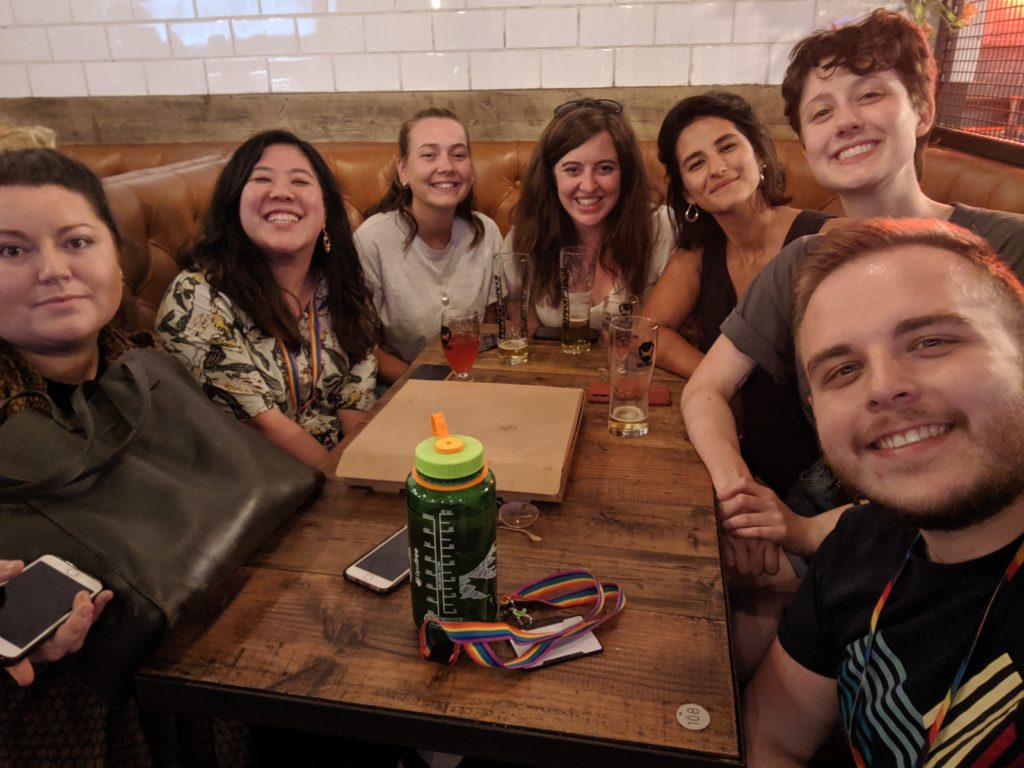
point(195, 39)
point(115, 78)
point(367, 72)
point(79, 43)
point(301, 74)
point(14, 82)
point(435, 71)
point(101, 10)
point(504, 70)
point(175, 78)
point(237, 75)
point(177, 47)
point(57, 80)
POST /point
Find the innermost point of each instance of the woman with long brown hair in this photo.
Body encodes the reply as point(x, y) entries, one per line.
point(587, 185)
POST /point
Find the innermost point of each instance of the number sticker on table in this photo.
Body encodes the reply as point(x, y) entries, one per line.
point(693, 717)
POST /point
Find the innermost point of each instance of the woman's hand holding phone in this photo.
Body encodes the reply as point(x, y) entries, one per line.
point(68, 638)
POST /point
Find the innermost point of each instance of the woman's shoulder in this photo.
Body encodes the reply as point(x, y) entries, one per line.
point(187, 284)
point(487, 221)
point(380, 222)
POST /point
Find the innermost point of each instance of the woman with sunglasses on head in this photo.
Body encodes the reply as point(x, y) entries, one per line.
point(423, 247)
point(272, 315)
point(587, 185)
point(725, 187)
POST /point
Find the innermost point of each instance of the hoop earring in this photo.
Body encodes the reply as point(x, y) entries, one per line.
point(692, 214)
point(327, 241)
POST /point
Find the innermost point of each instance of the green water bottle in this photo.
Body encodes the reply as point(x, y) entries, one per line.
point(452, 529)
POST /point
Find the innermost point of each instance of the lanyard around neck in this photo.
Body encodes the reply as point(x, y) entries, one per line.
point(947, 701)
point(315, 360)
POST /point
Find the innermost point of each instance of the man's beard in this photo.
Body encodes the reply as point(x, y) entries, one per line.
point(989, 496)
point(1001, 482)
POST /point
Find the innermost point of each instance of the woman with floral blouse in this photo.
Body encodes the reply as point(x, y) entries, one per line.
point(272, 316)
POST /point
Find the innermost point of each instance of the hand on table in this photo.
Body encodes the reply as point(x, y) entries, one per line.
point(68, 638)
point(752, 511)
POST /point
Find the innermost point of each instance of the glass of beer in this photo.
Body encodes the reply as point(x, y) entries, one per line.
point(460, 339)
point(511, 294)
point(577, 264)
point(616, 305)
point(632, 344)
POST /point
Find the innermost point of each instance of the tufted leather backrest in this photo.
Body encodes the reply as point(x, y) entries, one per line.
point(159, 208)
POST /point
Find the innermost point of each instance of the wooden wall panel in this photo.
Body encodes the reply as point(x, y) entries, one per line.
point(490, 115)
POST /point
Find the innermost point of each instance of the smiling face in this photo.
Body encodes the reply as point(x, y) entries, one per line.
point(589, 179)
point(718, 165)
point(60, 282)
point(860, 131)
point(438, 167)
point(917, 385)
point(282, 204)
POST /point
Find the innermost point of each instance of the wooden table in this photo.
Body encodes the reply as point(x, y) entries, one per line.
point(297, 645)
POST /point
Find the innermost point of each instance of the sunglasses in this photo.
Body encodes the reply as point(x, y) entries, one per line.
point(605, 105)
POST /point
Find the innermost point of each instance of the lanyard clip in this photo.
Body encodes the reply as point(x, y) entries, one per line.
point(510, 612)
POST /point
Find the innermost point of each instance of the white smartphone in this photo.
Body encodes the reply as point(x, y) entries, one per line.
point(37, 601)
point(385, 566)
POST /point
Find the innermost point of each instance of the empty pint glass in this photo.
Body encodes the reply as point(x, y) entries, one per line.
point(577, 264)
point(512, 298)
point(632, 344)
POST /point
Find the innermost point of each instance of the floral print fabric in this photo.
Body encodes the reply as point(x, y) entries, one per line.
point(244, 370)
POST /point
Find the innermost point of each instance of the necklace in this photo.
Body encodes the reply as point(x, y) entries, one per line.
point(446, 274)
point(940, 716)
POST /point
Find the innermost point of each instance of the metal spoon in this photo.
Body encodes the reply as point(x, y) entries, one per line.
point(529, 534)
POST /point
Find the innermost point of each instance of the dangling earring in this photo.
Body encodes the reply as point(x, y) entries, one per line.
point(327, 241)
point(692, 214)
point(763, 169)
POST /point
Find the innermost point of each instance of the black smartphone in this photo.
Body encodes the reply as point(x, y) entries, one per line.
point(487, 341)
point(549, 333)
point(430, 372)
point(37, 601)
point(385, 566)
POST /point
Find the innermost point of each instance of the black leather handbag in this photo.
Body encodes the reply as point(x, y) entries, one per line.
point(149, 487)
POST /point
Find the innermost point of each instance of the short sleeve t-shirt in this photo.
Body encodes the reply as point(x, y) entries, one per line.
point(924, 632)
point(761, 325)
point(407, 283)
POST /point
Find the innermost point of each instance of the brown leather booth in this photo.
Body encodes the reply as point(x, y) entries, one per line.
point(159, 207)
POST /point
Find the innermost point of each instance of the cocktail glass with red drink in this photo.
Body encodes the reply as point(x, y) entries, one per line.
point(460, 339)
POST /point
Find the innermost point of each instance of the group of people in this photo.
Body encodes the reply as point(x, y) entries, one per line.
point(894, 346)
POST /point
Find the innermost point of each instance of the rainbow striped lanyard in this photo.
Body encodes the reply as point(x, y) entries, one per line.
point(940, 716)
point(565, 589)
point(316, 352)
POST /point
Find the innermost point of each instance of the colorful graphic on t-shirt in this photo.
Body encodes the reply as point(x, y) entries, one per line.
point(979, 730)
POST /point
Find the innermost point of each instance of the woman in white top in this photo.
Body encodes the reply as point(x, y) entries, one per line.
point(587, 185)
point(423, 247)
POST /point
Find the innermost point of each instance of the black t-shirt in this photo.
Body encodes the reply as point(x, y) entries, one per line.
point(924, 632)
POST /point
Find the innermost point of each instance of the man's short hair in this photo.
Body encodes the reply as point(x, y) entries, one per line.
point(884, 40)
point(852, 241)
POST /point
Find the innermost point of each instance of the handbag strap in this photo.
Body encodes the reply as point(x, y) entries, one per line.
point(565, 589)
point(83, 464)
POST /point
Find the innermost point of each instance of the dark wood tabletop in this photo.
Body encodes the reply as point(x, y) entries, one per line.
point(293, 643)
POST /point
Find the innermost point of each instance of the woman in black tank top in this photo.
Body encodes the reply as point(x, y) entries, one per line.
point(726, 191)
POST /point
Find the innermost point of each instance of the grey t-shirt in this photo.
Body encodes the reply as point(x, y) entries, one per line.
point(407, 283)
point(761, 325)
